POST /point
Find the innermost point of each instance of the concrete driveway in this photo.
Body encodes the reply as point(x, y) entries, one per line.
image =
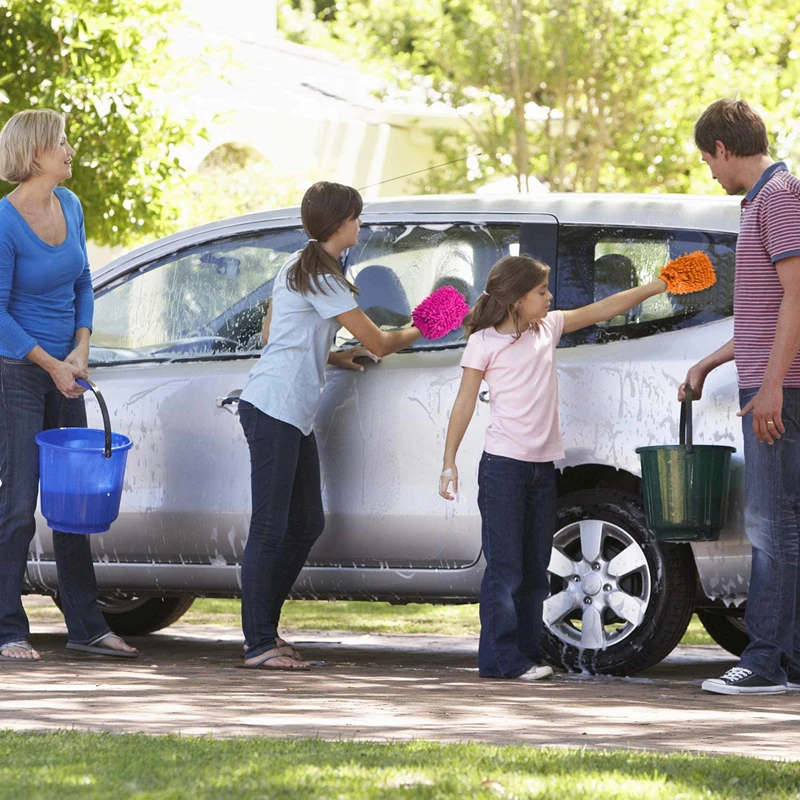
point(189, 680)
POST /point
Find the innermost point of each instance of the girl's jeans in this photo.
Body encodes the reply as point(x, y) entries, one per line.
point(772, 523)
point(517, 500)
point(287, 519)
point(29, 403)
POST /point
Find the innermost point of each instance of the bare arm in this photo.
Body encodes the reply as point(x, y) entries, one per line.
point(460, 417)
point(611, 306)
point(379, 342)
point(63, 373)
point(267, 323)
point(697, 375)
point(768, 403)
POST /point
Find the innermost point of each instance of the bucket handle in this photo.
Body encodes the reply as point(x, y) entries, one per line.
point(686, 420)
point(87, 384)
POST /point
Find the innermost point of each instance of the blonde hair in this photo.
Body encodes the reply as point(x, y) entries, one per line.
point(26, 136)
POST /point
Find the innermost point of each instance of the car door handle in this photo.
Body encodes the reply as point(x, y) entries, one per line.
point(484, 396)
point(230, 401)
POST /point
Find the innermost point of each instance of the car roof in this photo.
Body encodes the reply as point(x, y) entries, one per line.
point(703, 212)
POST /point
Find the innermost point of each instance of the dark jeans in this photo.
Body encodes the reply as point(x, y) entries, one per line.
point(287, 519)
point(772, 523)
point(29, 403)
point(517, 500)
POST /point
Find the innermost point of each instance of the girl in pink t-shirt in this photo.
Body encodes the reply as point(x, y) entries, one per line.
point(511, 346)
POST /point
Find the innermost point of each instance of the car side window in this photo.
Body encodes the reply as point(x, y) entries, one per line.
point(595, 262)
point(395, 267)
point(206, 300)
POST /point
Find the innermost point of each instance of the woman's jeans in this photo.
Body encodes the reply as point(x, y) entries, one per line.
point(772, 523)
point(517, 500)
point(29, 403)
point(287, 519)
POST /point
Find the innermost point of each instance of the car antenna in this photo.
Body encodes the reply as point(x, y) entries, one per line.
point(417, 172)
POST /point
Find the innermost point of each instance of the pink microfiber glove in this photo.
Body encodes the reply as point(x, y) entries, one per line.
point(440, 312)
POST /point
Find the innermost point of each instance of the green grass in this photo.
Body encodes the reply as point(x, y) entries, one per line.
point(78, 765)
point(356, 616)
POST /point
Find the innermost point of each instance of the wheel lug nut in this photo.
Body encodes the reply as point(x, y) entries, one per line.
point(607, 587)
point(595, 566)
point(587, 601)
point(576, 579)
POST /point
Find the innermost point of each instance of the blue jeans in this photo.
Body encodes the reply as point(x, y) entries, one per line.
point(29, 403)
point(517, 500)
point(772, 523)
point(287, 519)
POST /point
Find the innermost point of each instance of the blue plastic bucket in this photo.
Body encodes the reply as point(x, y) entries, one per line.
point(81, 472)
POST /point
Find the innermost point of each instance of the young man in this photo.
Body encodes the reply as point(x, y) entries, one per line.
point(732, 139)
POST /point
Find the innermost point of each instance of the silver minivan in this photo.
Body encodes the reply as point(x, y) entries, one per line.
point(177, 330)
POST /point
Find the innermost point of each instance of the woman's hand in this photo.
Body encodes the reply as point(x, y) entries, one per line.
point(449, 476)
point(64, 375)
point(79, 358)
point(346, 359)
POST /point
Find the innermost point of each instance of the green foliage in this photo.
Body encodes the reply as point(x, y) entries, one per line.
point(106, 64)
point(69, 764)
point(584, 95)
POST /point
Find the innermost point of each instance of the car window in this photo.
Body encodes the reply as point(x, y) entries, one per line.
point(395, 267)
point(206, 300)
point(594, 262)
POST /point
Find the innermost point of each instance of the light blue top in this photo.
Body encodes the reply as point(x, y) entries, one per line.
point(288, 380)
point(45, 290)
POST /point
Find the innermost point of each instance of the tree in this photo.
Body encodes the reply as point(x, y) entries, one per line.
point(583, 94)
point(106, 64)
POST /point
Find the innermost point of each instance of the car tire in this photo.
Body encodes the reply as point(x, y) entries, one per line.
point(136, 616)
point(726, 630)
point(623, 606)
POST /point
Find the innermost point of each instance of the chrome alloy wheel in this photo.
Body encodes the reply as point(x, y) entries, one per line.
point(599, 585)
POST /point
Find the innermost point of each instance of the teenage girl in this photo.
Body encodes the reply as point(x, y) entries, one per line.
point(311, 300)
point(511, 346)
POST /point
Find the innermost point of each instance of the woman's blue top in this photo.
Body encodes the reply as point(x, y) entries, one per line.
point(45, 290)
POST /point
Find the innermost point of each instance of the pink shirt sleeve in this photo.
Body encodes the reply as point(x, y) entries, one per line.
point(780, 231)
point(554, 322)
point(475, 353)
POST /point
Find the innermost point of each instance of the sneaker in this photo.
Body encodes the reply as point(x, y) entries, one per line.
point(739, 680)
point(791, 686)
point(536, 673)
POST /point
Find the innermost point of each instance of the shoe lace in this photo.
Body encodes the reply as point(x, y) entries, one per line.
point(736, 674)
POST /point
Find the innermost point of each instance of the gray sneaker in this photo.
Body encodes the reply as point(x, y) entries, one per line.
point(536, 673)
point(739, 680)
point(791, 686)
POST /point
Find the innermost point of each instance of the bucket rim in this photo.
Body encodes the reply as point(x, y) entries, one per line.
point(41, 439)
point(667, 447)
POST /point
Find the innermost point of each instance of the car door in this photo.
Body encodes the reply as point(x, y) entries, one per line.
point(170, 337)
point(382, 432)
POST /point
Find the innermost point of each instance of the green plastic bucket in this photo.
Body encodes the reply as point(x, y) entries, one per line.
point(686, 486)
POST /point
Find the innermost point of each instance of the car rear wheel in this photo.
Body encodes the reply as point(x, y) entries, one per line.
point(619, 601)
point(726, 630)
point(129, 615)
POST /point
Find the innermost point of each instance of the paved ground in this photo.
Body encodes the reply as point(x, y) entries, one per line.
point(382, 687)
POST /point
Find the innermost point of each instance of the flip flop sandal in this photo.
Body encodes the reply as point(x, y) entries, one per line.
point(264, 663)
point(23, 645)
point(97, 649)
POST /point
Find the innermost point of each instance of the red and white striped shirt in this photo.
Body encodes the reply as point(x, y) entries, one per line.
point(769, 231)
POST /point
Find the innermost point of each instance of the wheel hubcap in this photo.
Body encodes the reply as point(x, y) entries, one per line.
point(599, 585)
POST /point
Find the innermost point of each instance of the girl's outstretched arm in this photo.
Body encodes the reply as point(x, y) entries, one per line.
point(460, 417)
point(611, 306)
point(379, 342)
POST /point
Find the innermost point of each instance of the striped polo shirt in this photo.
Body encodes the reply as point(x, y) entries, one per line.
point(769, 231)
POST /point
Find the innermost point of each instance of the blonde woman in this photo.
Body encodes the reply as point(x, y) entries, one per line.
point(46, 306)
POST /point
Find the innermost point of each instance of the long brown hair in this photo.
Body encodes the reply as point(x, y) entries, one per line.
point(509, 280)
point(325, 208)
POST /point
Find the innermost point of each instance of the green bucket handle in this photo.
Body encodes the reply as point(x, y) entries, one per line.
point(686, 420)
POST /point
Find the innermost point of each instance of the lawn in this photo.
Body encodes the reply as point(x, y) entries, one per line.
point(69, 764)
point(356, 616)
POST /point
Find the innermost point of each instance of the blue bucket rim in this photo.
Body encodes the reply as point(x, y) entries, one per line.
point(42, 437)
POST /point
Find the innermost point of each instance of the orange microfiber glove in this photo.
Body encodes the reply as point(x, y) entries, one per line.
point(692, 272)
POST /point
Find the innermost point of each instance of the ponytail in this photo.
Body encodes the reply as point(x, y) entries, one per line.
point(312, 272)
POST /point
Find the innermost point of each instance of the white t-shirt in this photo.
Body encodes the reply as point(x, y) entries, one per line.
point(523, 389)
point(288, 379)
